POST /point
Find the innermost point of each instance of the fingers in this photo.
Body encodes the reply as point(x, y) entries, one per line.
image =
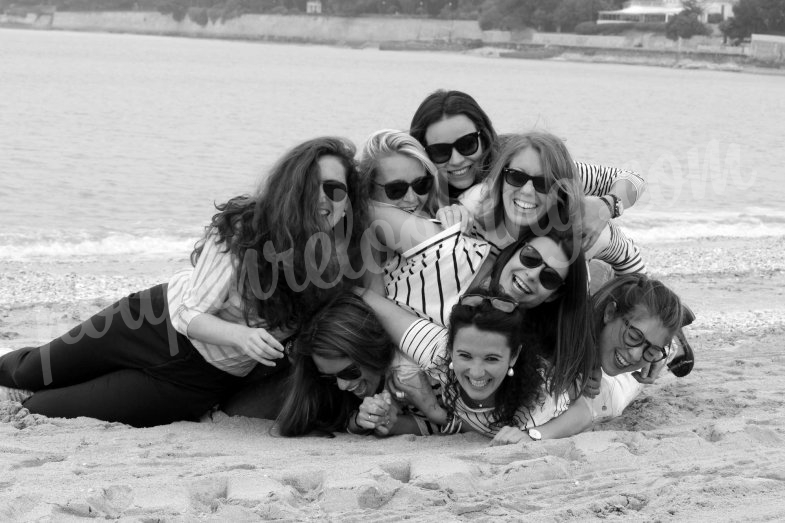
point(263, 347)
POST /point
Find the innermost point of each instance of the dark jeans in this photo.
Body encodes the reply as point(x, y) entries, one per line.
point(126, 364)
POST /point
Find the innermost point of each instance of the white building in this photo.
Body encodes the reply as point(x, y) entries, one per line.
point(661, 11)
point(313, 7)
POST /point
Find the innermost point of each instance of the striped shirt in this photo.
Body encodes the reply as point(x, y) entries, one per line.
point(613, 246)
point(428, 279)
point(426, 343)
point(211, 288)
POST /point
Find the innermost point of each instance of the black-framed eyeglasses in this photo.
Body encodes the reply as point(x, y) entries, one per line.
point(350, 373)
point(500, 304)
point(335, 190)
point(398, 189)
point(518, 178)
point(633, 338)
point(531, 259)
point(466, 145)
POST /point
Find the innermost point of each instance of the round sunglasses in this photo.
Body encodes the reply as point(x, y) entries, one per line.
point(335, 190)
point(633, 338)
point(398, 189)
point(466, 145)
point(531, 259)
point(518, 178)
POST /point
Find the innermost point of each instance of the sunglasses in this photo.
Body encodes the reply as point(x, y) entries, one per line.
point(398, 189)
point(633, 338)
point(531, 259)
point(334, 190)
point(350, 373)
point(466, 145)
point(500, 304)
point(518, 178)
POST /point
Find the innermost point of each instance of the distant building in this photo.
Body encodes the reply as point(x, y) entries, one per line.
point(661, 11)
point(313, 7)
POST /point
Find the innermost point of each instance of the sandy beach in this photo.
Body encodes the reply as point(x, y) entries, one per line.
point(710, 446)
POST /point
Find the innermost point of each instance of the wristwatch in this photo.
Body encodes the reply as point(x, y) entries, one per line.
point(534, 434)
point(617, 208)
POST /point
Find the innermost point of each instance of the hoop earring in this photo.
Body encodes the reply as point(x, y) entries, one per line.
point(510, 372)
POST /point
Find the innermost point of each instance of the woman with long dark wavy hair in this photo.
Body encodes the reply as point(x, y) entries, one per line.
point(266, 264)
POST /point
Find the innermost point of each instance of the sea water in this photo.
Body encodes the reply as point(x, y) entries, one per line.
point(122, 144)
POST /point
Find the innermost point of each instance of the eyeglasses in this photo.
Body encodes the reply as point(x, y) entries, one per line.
point(518, 178)
point(531, 259)
point(633, 338)
point(350, 373)
point(335, 190)
point(398, 189)
point(466, 145)
point(500, 304)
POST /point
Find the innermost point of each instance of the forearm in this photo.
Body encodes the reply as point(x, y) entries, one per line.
point(394, 319)
point(398, 230)
point(577, 418)
point(209, 328)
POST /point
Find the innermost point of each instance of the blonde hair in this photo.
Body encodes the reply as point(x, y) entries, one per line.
point(388, 142)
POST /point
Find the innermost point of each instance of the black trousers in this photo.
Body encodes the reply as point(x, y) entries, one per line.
point(126, 364)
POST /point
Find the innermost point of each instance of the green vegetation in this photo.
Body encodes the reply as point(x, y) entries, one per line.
point(755, 16)
point(687, 23)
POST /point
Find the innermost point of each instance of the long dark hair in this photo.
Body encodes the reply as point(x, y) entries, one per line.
point(277, 222)
point(562, 325)
point(440, 104)
point(521, 389)
point(345, 328)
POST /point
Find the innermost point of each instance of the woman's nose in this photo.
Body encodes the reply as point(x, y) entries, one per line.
point(456, 157)
point(410, 196)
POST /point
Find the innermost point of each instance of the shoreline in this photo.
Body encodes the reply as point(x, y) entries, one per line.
point(464, 41)
point(710, 446)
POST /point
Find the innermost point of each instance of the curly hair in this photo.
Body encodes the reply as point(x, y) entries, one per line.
point(279, 229)
point(345, 328)
point(524, 387)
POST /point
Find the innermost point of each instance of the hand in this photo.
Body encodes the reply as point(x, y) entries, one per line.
point(456, 213)
point(592, 386)
point(383, 429)
point(596, 216)
point(509, 436)
point(259, 344)
point(649, 372)
point(375, 411)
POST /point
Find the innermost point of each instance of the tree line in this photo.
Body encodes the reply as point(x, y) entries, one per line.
point(759, 16)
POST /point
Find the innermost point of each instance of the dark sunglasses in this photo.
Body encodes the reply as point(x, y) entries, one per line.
point(633, 338)
point(334, 190)
point(350, 373)
point(518, 178)
point(531, 259)
point(500, 304)
point(398, 189)
point(466, 145)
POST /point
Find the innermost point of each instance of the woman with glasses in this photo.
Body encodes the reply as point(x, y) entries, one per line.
point(171, 352)
point(634, 319)
point(460, 139)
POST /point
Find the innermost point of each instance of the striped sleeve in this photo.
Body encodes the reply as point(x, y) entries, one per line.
point(621, 253)
point(425, 343)
point(598, 180)
point(203, 289)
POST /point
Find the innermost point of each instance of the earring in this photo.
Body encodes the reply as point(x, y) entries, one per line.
point(450, 366)
point(510, 372)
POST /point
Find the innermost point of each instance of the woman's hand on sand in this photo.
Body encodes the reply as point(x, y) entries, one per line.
point(259, 344)
point(509, 436)
point(456, 213)
point(596, 216)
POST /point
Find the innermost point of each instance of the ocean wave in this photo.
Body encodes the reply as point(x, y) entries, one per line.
point(18, 246)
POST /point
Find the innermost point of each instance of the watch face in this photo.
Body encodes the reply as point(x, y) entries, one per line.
point(535, 434)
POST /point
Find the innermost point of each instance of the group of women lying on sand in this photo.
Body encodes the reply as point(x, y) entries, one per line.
point(438, 283)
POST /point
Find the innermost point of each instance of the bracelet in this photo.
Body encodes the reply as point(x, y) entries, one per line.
point(362, 432)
